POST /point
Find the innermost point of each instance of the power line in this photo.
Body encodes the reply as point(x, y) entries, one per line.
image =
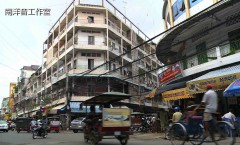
point(169, 30)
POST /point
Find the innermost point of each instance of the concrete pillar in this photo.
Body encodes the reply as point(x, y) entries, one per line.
point(170, 12)
point(186, 3)
point(165, 24)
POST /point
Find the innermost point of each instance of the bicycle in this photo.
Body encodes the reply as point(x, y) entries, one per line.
point(194, 132)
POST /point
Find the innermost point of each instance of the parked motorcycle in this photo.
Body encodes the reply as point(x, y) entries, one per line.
point(40, 130)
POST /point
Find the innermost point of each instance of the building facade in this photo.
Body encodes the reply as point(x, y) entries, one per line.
point(75, 53)
point(203, 36)
point(25, 97)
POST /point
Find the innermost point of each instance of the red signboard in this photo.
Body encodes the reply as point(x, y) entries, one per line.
point(169, 74)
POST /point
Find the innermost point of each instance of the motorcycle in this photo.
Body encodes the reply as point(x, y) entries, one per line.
point(39, 130)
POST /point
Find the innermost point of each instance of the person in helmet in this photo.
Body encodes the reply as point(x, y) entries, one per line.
point(177, 115)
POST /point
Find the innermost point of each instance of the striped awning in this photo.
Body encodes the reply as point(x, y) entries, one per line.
point(220, 79)
point(151, 94)
point(176, 94)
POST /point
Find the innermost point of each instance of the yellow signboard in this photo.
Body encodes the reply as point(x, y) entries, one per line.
point(219, 83)
point(176, 94)
point(116, 117)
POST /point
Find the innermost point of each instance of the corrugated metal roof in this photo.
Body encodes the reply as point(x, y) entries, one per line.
point(220, 72)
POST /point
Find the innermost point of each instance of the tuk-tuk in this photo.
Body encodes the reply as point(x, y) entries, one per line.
point(54, 124)
point(136, 119)
point(23, 124)
point(111, 122)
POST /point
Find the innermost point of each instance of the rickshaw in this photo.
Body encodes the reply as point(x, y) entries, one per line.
point(192, 129)
point(54, 124)
point(23, 124)
point(111, 122)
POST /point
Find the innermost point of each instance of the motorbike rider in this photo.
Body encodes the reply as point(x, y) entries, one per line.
point(40, 127)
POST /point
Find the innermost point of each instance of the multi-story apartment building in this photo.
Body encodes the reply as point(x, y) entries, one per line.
point(204, 37)
point(5, 108)
point(86, 37)
point(29, 82)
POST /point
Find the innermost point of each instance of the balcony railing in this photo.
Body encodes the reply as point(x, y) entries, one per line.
point(114, 26)
point(96, 43)
point(70, 42)
point(85, 21)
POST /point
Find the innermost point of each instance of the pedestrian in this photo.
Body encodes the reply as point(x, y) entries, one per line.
point(177, 115)
point(210, 101)
point(230, 117)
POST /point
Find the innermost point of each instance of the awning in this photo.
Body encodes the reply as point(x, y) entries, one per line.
point(151, 94)
point(220, 79)
point(233, 90)
point(55, 109)
point(176, 94)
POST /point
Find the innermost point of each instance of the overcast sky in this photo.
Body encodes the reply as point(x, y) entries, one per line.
point(22, 37)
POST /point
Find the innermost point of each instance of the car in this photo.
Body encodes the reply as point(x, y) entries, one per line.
point(3, 126)
point(77, 124)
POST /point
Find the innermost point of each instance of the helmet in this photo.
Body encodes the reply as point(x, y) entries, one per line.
point(209, 86)
point(176, 108)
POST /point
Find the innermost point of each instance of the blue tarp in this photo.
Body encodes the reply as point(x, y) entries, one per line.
point(75, 108)
point(233, 90)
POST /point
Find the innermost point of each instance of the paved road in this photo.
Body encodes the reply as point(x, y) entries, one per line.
point(69, 138)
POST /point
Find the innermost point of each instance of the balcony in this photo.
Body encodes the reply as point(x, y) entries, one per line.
point(86, 23)
point(97, 45)
point(114, 26)
point(70, 42)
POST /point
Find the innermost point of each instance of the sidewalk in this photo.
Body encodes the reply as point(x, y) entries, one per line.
point(148, 136)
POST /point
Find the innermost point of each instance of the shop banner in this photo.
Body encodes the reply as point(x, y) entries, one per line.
point(169, 74)
point(116, 117)
point(176, 94)
point(219, 83)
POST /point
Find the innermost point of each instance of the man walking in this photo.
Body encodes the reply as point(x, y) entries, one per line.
point(210, 100)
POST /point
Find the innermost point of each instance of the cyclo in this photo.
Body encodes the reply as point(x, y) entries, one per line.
point(111, 122)
point(220, 132)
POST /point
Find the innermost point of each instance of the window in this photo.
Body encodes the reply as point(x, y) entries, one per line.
point(91, 54)
point(202, 53)
point(76, 19)
point(91, 40)
point(90, 90)
point(90, 19)
point(114, 66)
point(90, 63)
point(113, 45)
point(234, 38)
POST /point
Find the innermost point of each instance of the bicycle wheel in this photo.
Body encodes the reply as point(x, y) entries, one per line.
point(224, 133)
point(197, 137)
point(177, 134)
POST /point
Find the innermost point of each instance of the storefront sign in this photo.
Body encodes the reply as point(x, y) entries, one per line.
point(171, 73)
point(178, 9)
point(176, 94)
point(219, 83)
point(116, 117)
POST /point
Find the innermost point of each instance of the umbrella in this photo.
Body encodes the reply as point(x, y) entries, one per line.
point(233, 89)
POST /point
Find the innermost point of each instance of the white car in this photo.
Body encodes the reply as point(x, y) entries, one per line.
point(3, 126)
point(77, 124)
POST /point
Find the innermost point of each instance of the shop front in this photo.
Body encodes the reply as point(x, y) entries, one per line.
point(178, 97)
point(220, 79)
